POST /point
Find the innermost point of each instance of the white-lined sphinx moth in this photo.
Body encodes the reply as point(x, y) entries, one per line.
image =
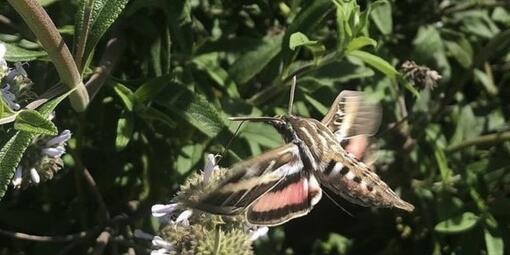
point(283, 183)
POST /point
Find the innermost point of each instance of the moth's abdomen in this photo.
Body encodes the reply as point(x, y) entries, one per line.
point(358, 184)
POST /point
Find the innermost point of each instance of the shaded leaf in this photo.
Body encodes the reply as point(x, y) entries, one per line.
point(125, 127)
point(252, 62)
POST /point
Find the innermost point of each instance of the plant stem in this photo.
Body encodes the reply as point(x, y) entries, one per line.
point(485, 139)
point(42, 26)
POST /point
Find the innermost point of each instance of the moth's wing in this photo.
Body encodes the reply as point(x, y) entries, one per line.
point(351, 115)
point(293, 197)
point(356, 182)
point(249, 180)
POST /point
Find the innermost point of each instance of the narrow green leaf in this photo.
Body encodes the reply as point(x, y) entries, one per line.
point(457, 224)
point(494, 244)
point(210, 64)
point(125, 127)
point(252, 62)
point(151, 113)
point(151, 89)
point(375, 61)
point(10, 156)
point(316, 104)
point(487, 82)
point(126, 95)
point(446, 172)
point(360, 42)
point(104, 13)
point(14, 53)
point(462, 56)
point(33, 122)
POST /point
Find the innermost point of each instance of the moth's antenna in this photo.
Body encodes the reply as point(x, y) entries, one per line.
point(338, 205)
point(292, 90)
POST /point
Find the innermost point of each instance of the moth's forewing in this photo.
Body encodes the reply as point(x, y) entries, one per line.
point(248, 180)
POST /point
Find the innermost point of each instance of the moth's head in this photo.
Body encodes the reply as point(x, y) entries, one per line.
point(280, 122)
point(284, 126)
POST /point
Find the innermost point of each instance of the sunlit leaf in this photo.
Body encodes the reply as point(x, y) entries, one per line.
point(33, 122)
point(457, 224)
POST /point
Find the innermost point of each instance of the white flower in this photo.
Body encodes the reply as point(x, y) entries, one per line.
point(54, 152)
point(60, 139)
point(3, 63)
point(161, 243)
point(162, 246)
point(183, 217)
point(160, 210)
point(258, 233)
point(210, 166)
point(10, 98)
point(161, 251)
point(16, 180)
point(34, 176)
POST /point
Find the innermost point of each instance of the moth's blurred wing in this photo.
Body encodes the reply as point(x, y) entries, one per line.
point(351, 115)
point(249, 180)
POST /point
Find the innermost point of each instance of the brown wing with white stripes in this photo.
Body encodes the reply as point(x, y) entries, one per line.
point(351, 115)
point(249, 180)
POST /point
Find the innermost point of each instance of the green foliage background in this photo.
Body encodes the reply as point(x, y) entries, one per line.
point(182, 67)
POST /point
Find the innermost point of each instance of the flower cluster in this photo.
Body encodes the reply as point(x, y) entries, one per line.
point(14, 83)
point(41, 160)
point(422, 76)
point(188, 231)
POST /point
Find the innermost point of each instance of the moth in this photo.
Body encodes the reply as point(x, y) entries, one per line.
point(285, 183)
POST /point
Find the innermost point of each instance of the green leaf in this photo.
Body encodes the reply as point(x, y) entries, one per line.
point(125, 127)
point(494, 244)
point(460, 54)
point(202, 115)
point(299, 39)
point(306, 21)
point(126, 95)
point(151, 113)
point(457, 224)
point(382, 17)
point(360, 42)
point(375, 61)
point(487, 82)
point(103, 14)
point(33, 122)
point(210, 64)
point(316, 104)
point(252, 62)
point(427, 43)
point(15, 53)
point(151, 89)
point(10, 156)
